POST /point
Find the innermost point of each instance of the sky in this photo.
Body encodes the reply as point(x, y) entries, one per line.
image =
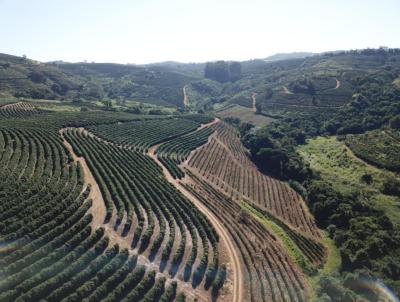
point(132, 31)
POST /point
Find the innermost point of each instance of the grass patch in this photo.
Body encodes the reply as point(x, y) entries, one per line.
point(343, 170)
point(58, 107)
point(314, 275)
point(246, 114)
point(332, 265)
point(294, 252)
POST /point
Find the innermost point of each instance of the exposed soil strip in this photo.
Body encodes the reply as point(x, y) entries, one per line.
point(286, 90)
point(185, 97)
point(231, 249)
point(253, 97)
point(337, 84)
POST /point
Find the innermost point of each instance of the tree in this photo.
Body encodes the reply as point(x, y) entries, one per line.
point(258, 108)
point(235, 70)
point(243, 217)
point(219, 280)
point(391, 186)
point(367, 178)
point(272, 160)
point(36, 77)
point(222, 71)
point(217, 71)
point(395, 122)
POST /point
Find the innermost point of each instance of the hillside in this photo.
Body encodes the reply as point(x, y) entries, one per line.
point(159, 84)
point(253, 181)
point(288, 56)
point(309, 85)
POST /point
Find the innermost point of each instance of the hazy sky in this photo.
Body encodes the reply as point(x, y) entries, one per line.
point(132, 31)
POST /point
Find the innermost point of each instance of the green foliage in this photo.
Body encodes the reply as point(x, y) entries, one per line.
point(160, 85)
point(302, 85)
point(50, 250)
point(144, 134)
point(222, 71)
point(132, 184)
point(395, 122)
point(391, 186)
point(378, 147)
point(180, 297)
point(272, 150)
point(175, 151)
point(219, 280)
point(307, 253)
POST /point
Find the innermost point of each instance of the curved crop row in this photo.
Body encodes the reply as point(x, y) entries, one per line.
point(269, 272)
point(141, 135)
point(174, 152)
point(20, 109)
point(49, 249)
point(159, 220)
point(224, 163)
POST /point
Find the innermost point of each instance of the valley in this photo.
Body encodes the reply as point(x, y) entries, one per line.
point(220, 181)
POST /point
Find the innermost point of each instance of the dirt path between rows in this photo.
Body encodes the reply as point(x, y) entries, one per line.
point(286, 90)
point(337, 84)
point(98, 208)
point(95, 194)
point(231, 249)
point(10, 105)
point(185, 97)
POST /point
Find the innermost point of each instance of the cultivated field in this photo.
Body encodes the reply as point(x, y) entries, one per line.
point(20, 109)
point(114, 207)
point(245, 114)
point(224, 163)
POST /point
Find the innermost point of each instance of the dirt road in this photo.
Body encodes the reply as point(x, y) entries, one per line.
point(98, 208)
point(98, 203)
point(253, 96)
point(286, 90)
point(337, 84)
point(231, 249)
point(185, 97)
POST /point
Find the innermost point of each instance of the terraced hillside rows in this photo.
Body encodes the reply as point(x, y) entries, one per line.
point(156, 219)
point(141, 135)
point(49, 249)
point(264, 243)
point(176, 151)
point(224, 164)
point(20, 109)
point(150, 241)
point(269, 273)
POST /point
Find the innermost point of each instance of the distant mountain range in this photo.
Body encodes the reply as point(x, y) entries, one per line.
point(288, 56)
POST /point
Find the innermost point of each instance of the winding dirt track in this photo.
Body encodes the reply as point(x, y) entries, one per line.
point(185, 97)
point(286, 90)
point(99, 211)
point(337, 84)
point(253, 96)
point(231, 249)
point(98, 208)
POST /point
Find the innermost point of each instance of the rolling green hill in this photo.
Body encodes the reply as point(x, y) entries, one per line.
point(157, 84)
point(311, 85)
